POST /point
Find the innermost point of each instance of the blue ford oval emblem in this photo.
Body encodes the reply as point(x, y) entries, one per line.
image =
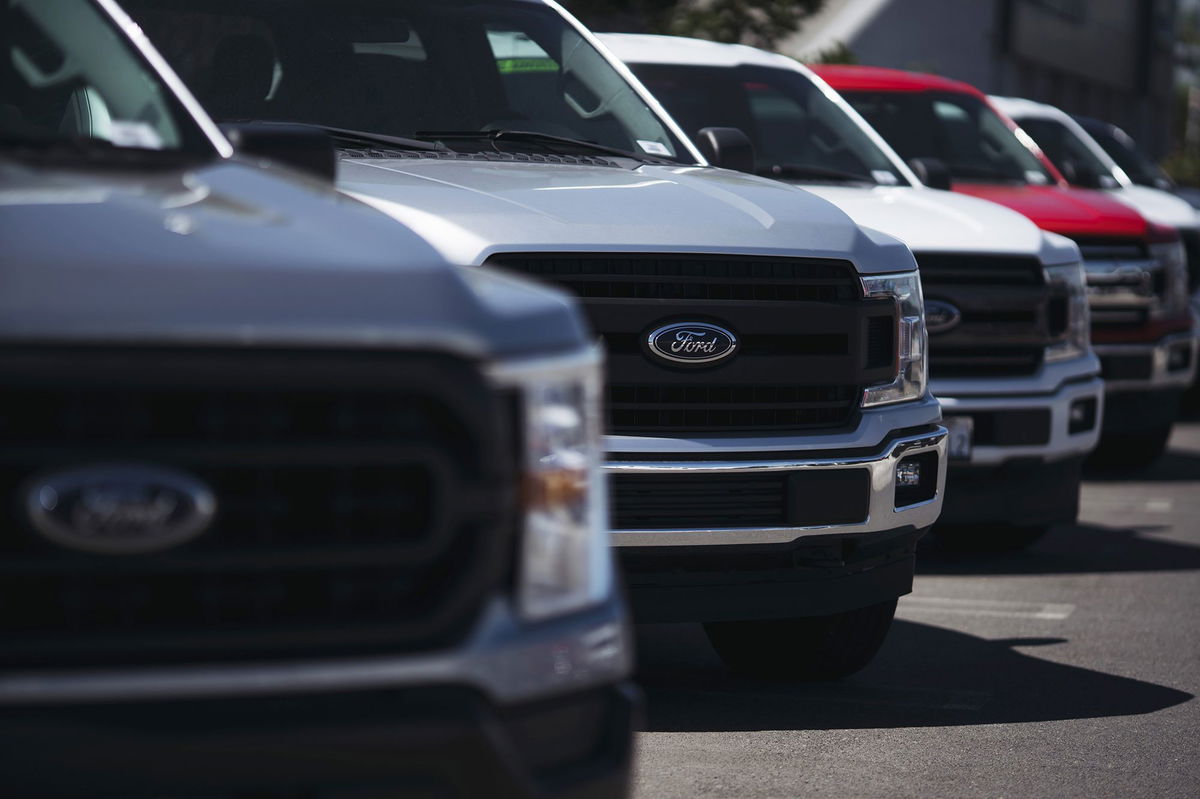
point(941, 317)
point(120, 509)
point(692, 343)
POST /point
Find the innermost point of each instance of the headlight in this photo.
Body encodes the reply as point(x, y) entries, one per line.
point(565, 562)
point(912, 376)
point(1172, 258)
point(1077, 337)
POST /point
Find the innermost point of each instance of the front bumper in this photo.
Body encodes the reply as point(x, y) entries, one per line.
point(417, 742)
point(478, 719)
point(1027, 418)
point(810, 577)
point(882, 509)
point(1166, 364)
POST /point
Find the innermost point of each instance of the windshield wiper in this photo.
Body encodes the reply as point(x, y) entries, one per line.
point(802, 171)
point(359, 137)
point(531, 137)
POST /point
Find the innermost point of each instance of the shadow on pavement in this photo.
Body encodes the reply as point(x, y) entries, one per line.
point(1069, 549)
point(924, 677)
point(1175, 466)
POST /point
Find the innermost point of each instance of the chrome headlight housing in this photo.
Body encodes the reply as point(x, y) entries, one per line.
point(912, 376)
point(1078, 338)
point(565, 563)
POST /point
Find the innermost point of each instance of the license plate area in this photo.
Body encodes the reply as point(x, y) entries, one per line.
point(961, 441)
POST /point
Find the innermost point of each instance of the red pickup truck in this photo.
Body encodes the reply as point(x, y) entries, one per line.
point(1142, 327)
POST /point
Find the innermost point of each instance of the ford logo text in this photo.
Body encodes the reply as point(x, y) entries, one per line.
point(119, 509)
point(941, 317)
point(692, 343)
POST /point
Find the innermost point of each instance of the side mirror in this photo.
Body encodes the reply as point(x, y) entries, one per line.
point(1078, 174)
point(301, 147)
point(727, 148)
point(933, 172)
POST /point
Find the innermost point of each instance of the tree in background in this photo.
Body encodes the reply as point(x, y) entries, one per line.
point(761, 23)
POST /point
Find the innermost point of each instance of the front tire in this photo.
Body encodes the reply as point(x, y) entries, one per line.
point(806, 648)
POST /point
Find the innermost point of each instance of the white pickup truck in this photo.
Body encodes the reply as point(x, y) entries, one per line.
point(1005, 308)
point(774, 451)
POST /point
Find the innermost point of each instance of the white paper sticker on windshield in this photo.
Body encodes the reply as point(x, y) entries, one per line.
point(1035, 177)
point(134, 134)
point(654, 148)
point(883, 177)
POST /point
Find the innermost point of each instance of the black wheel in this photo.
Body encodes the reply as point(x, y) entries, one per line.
point(806, 648)
point(985, 538)
point(1130, 451)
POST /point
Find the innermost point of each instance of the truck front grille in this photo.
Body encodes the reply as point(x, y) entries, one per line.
point(1009, 314)
point(1125, 285)
point(362, 503)
point(808, 341)
point(731, 408)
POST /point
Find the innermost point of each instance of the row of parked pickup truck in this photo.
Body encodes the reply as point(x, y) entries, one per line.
point(359, 360)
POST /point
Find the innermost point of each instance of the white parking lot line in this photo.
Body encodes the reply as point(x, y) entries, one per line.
point(1159, 505)
point(1049, 611)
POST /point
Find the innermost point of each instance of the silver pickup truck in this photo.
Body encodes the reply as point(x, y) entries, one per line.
point(288, 504)
point(774, 451)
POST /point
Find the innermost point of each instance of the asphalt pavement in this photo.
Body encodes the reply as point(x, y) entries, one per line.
point(1067, 670)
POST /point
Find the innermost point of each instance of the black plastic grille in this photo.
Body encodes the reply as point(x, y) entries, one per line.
point(362, 503)
point(709, 408)
point(808, 341)
point(1127, 367)
point(707, 278)
point(1011, 428)
point(1009, 314)
point(773, 499)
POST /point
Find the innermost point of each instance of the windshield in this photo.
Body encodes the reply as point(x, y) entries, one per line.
point(959, 129)
point(797, 130)
point(1064, 149)
point(1123, 150)
point(69, 78)
point(403, 68)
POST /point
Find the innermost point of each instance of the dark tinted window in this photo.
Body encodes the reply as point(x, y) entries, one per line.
point(791, 122)
point(1122, 149)
point(959, 129)
point(68, 75)
point(402, 66)
point(1064, 149)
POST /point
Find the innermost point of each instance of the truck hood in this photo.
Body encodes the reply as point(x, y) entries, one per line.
point(941, 221)
point(1071, 212)
point(1159, 206)
point(470, 210)
point(230, 254)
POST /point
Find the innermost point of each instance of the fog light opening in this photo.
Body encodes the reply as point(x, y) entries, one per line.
point(908, 474)
point(1179, 357)
point(916, 479)
point(1082, 416)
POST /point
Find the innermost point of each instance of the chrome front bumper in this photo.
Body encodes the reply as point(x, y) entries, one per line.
point(882, 515)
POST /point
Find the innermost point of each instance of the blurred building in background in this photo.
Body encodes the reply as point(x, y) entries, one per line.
point(1111, 59)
